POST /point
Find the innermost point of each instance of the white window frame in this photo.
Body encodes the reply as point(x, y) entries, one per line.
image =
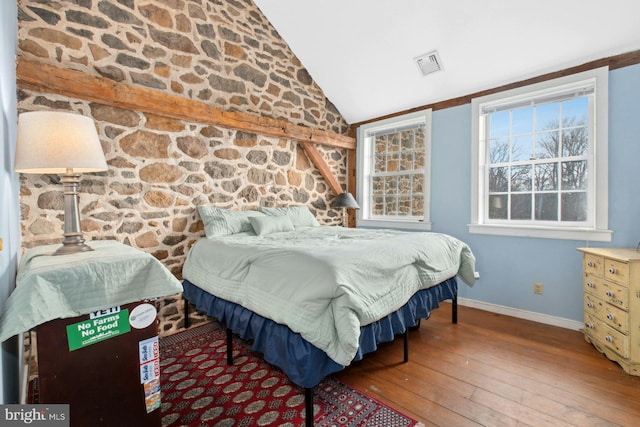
point(364, 166)
point(597, 227)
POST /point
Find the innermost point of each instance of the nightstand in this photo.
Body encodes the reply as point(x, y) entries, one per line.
point(96, 330)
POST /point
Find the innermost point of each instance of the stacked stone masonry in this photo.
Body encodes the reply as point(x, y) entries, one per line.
point(222, 52)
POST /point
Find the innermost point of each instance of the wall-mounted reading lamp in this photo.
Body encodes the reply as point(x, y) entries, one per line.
point(345, 201)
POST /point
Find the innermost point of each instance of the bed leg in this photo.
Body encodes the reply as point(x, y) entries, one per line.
point(229, 347)
point(308, 407)
point(406, 345)
point(454, 308)
point(186, 312)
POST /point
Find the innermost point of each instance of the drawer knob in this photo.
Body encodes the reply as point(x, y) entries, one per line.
point(589, 325)
point(609, 294)
point(610, 316)
point(612, 270)
point(590, 264)
point(590, 284)
point(590, 304)
point(609, 338)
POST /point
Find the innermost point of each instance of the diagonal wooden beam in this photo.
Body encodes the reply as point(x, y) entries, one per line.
point(32, 74)
point(318, 160)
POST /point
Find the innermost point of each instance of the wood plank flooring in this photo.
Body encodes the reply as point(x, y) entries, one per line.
point(495, 370)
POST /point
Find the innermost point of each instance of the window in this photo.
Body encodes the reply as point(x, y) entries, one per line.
point(540, 160)
point(393, 172)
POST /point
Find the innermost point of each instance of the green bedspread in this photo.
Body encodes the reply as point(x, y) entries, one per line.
point(52, 287)
point(325, 282)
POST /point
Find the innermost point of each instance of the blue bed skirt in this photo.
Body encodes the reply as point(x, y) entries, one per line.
point(305, 364)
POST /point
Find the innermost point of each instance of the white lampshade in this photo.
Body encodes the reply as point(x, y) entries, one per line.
point(53, 142)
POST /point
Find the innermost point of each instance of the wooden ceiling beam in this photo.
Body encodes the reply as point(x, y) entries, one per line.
point(46, 78)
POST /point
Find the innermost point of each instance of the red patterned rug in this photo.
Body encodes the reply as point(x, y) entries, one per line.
point(200, 389)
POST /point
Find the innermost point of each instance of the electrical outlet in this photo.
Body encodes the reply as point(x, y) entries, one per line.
point(537, 288)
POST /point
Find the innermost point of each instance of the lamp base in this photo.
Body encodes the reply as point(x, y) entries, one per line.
point(72, 248)
point(73, 242)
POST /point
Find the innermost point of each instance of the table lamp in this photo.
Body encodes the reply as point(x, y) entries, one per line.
point(66, 144)
point(345, 201)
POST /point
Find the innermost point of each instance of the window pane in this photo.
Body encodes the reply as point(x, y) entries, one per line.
point(575, 110)
point(377, 185)
point(521, 148)
point(521, 206)
point(498, 206)
point(547, 207)
point(574, 175)
point(418, 160)
point(548, 116)
point(498, 180)
point(392, 162)
point(522, 120)
point(407, 139)
point(404, 205)
point(418, 142)
point(547, 177)
point(380, 144)
point(406, 161)
point(393, 144)
point(380, 163)
point(499, 150)
point(390, 205)
point(417, 205)
point(547, 144)
point(574, 206)
point(418, 184)
point(377, 205)
point(521, 178)
point(499, 124)
point(575, 142)
point(390, 185)
point(404, 184)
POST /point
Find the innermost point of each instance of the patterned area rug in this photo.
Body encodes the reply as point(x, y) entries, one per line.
point(200, 389)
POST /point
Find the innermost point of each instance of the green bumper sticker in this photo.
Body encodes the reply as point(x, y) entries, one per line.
point(92, 331)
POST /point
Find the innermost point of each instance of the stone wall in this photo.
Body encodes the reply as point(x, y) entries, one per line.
point(222, 52)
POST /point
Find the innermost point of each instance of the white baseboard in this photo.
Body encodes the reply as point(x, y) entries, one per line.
point(522, 314)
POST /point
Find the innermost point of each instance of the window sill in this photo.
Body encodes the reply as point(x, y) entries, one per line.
point(589, 234)
point(400, 225)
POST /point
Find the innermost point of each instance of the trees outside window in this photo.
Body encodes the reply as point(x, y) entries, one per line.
point(540, 160)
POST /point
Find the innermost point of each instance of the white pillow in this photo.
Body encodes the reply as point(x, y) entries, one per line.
point(300, 216)
point(224, 222)
point(263, 225)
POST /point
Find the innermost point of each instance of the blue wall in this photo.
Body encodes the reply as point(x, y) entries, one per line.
point(9, 213)
point(510, 265)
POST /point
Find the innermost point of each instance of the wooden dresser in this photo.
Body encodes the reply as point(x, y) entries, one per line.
point(612, 304)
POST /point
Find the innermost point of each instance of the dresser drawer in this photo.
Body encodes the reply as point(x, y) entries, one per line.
point(593, 306)
point(593, 264)
point(615, 317)
point(616, 271)
point(615, 340)
point(593, 327)
point(615, 294)
point(594, 285)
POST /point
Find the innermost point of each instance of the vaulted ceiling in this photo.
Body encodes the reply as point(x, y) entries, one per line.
point(361, 52)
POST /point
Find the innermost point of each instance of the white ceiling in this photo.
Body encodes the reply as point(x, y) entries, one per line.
point(361, 52)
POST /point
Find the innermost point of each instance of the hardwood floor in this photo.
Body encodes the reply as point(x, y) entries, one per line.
point(495, 370)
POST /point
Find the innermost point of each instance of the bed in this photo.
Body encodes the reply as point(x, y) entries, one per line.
point(313, 299)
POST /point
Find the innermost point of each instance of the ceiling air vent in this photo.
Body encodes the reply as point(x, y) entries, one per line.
point(429, 63)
